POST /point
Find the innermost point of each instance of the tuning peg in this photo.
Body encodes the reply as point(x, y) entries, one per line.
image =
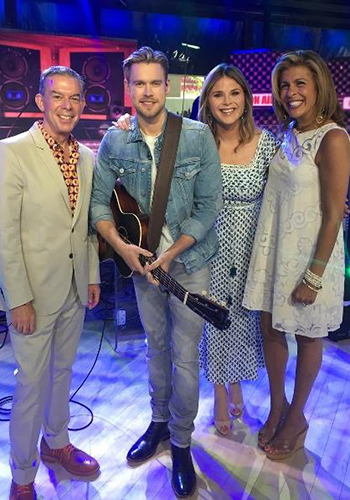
point(223, 303)
point(204, 293)
point(213, 298)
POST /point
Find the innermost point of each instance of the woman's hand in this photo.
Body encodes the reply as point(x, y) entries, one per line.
point(303, 295)
point(123, 122)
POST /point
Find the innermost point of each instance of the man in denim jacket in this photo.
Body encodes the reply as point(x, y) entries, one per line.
point(188, 243)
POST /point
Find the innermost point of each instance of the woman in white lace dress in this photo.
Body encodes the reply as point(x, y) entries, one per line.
point(296, 274)
point(235, 354)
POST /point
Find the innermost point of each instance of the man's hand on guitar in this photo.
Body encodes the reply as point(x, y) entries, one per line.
point(123, 122)
point(164, 261)
point(131, 256)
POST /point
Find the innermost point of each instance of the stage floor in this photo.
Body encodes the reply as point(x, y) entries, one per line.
point(227, 467)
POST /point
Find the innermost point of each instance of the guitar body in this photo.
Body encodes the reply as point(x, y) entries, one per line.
point(132, 225)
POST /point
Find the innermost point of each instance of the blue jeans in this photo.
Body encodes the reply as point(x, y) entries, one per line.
point(173, 332)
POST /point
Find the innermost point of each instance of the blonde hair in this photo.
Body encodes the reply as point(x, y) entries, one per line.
point(145, 55)
point(327, 106)
point(246, 124)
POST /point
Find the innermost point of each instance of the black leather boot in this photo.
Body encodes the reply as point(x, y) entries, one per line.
point(184, 476)
point(146, 445)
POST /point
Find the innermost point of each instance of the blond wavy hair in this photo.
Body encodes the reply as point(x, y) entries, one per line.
point(146, 55)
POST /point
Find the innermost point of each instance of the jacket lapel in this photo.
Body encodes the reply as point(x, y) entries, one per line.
point(46, 156)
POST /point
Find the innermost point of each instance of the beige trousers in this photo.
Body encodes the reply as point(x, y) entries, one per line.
point(41, 399)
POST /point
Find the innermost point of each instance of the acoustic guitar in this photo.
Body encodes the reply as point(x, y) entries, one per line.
point(132, 226)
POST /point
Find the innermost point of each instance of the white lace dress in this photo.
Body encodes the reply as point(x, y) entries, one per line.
point(235, 354)
point(285, 242)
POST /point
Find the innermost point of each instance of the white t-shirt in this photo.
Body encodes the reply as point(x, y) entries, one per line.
point(165, 239)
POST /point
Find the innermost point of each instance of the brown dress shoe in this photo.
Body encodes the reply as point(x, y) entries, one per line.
point(75, 461)
point(22, 491)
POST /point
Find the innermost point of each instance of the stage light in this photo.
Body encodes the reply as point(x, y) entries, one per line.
point(346, 103)
point(196, 47)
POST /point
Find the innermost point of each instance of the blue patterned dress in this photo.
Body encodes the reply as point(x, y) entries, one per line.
point(236, 353)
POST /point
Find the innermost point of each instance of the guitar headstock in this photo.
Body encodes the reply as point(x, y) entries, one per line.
point(210, 310)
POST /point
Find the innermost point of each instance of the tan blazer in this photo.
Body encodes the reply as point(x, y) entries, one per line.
point(41, 244)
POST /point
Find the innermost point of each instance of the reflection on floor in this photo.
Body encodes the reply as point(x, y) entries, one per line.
point(231, 467)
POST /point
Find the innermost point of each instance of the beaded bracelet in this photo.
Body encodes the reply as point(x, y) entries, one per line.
point(312, 287)
point(313, 279)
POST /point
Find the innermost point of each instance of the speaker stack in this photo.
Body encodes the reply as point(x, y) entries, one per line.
point(19, 79)
point(104, 80)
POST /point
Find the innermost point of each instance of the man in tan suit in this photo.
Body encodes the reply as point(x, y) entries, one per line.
point(48, 272)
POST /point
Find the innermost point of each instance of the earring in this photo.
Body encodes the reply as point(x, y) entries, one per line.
point(320, 118)
point(285, 117)
point(210, 120)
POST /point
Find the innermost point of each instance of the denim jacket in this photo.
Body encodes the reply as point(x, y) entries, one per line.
point(195, 197)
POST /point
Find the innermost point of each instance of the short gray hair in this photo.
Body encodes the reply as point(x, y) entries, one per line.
point(59, 70)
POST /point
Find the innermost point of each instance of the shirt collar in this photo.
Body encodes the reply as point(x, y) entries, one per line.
point(54, 145)
point(135, 134)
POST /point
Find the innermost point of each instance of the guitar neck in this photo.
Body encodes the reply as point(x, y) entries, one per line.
point(167, 281)
point(214, 313)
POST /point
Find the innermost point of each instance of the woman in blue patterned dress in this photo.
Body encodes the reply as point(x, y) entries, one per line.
point(246, 151)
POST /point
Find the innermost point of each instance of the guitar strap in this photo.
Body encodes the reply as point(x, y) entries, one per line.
point(163, 180)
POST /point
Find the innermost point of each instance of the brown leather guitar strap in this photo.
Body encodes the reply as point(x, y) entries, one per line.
point(163, 180)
